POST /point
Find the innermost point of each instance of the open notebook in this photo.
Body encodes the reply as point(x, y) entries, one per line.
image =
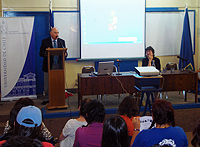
point(105, 68)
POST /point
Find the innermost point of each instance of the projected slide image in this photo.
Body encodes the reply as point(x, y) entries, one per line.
point(110, 25)
point(112, 21)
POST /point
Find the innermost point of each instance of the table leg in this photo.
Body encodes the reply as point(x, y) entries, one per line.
point(185, 96)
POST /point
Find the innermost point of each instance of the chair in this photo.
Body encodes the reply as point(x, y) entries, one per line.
point(170, 65)
point(88, 69)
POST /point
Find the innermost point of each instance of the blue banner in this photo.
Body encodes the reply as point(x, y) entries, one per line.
point(186, 45)
point(18, 78)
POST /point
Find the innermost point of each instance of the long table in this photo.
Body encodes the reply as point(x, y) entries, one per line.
point(99, 85)
point(180, 81)
point(116, 84)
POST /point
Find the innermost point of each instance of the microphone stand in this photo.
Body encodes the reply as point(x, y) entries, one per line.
point(118, 67)
point(182, 61)
point(182, 65)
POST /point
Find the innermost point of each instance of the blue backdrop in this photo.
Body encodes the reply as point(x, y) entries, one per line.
point(41, 25)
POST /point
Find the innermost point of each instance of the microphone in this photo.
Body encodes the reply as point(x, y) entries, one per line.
point(56, 37)
point(181, 58)
point(119, 60)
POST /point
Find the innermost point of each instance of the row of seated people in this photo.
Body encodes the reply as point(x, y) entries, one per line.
point(92, 129)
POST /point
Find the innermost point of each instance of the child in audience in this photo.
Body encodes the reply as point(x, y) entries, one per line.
point(91, 134)
point(68, 133)
point(115, 133)
point(165, 132)
point(127, 110)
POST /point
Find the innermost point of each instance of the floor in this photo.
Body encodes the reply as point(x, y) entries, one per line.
point(109, 101)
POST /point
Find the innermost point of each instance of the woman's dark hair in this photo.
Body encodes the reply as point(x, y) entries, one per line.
point(128, 106)
point(21, 141)
point(29, 132)
point(25, 101)
point(95, 112)
point(115, 132)
point(151, 49)
point(196, 135)
point(163, 113)
point(83, 106)
point(13, 114)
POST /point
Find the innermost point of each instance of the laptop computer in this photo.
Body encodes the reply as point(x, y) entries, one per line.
point(105, 68)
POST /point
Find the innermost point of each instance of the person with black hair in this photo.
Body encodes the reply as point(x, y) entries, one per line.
point(8, 130)
point(115, 132)
point(165, 132)
point(68, 133)
point(150, 59)
point(21, 141)
point(196, 135)
point(24, 101)
point(127, 110)
point(28, 124)
point(91, 134)
point(46, 134)
point(13, 113)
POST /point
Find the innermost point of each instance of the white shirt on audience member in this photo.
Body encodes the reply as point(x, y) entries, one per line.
point(69, 132)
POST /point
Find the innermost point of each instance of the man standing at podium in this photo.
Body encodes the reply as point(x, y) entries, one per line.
point(55, 61)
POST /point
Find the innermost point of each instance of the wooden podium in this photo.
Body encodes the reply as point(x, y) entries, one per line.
point(56, 80)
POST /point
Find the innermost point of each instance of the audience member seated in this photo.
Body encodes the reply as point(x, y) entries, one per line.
point(28, 124)
point(115, 132)
point(196, 135)
point(165, 132)
point(8, 130)
point(127, 110)
point(13, 114)
point(68, 133)
point(21, 141)
point(91, 134)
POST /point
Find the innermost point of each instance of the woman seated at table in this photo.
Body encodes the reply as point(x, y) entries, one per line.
point(150, 59)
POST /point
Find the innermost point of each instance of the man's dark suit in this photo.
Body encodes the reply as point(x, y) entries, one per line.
point(48, 43)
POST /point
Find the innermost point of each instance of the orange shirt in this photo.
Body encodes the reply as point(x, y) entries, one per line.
point(129, 124)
